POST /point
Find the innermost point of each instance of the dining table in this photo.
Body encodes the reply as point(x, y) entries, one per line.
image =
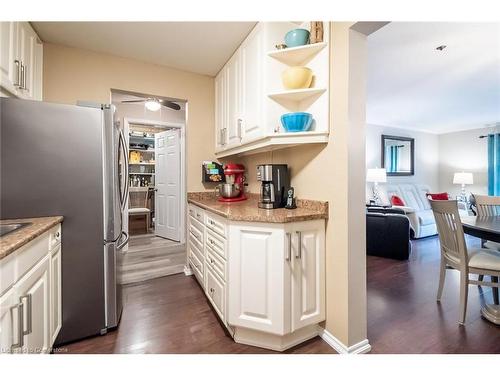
point(487, 228)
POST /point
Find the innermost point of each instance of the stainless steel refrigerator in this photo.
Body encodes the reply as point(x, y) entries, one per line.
point(71, 160)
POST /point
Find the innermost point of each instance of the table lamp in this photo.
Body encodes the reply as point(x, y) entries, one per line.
point(463, 178)
point(376, 175)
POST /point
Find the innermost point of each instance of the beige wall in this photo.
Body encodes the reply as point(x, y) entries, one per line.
point(335, 173)
point(463, 152)
point(71, 74)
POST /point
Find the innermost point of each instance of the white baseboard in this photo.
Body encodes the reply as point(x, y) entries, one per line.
point(187, 270)
point(359, 348)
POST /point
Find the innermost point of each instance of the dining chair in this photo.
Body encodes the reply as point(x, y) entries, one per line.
point(138, 204)
point(487, 206)
point(456, 255)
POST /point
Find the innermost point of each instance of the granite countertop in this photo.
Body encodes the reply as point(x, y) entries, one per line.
point(248, 210)
point(15, 240)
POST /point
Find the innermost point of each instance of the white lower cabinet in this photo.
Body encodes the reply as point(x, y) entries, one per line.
point(216, 293)
point(307, 266)
point(266, 281)
point(34, 295)
point(257, 277)
point(30, 308)
point(55, 293)
point(277, 276)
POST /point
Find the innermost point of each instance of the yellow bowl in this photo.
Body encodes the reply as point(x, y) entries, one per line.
point(297, 77)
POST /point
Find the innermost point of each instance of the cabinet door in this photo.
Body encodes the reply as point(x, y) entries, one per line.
point(256, 279)
point(33, 291)
point(55, 294)
point(251, 85)
point(37, 70)
point(232, 100)
point(215, 291)
point(220, 110)
point(26, 43)
point(9, 63)
point(9, 321)
point(308, 273)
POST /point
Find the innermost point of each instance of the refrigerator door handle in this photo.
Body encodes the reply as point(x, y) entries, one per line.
point(124, 193)
point(124, 242)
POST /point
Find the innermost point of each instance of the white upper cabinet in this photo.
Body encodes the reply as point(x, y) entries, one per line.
point(9, 72)
point(253, 98)
point(21, 60)
point(233, 97)
point(220, 110)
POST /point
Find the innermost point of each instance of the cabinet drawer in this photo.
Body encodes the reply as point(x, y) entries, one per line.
point(217, 224)
point(196, 213)
point(216, 293)
point(196, 232)
point(216, 243)
point(194, 246)
point(14, 266)
point(216, 263)
point(196, 224)
point(197, 267)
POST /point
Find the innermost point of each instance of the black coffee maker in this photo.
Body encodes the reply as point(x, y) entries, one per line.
point(275, 182)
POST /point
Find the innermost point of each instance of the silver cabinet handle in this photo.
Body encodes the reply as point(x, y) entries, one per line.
point(212, 290)
point(289, 249)
point(240, 132)
point(18, 73)
point(22, 76)
point(25, 74)
point(20, 323)
point(29, 309)
point(299, 245)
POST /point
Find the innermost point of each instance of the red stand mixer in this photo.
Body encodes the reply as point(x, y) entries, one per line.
point(233, 190)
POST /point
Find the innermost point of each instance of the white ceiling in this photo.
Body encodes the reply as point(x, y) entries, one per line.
point(412, 85)
point(199, 47)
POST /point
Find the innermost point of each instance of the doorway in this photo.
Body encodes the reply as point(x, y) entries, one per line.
point(154, 215)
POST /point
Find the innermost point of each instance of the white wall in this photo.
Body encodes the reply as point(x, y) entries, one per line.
point(426, 154)
point(463, 151)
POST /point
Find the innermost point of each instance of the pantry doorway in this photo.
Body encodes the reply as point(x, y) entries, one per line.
point(156, 178)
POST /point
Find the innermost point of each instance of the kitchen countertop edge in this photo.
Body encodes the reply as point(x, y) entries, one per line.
point(12, 242)
point(304, 214)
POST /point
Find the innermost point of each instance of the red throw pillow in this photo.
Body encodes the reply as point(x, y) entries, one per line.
point(396, 201)
point(438, 196)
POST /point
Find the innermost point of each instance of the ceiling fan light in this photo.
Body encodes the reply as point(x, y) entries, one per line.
point(152, 105)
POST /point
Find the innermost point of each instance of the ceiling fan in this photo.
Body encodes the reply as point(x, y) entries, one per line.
point(154, 104)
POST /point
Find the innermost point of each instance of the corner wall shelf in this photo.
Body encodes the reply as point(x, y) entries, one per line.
point(296, 95)
point(297, 55)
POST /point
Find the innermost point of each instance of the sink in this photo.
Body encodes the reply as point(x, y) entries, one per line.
point(9, 228)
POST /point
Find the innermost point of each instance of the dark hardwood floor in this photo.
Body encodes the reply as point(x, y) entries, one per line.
point(404, 317)
point(171, 315)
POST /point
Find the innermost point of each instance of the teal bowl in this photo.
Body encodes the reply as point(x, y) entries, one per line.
point(296, 121)
point(296, 38)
